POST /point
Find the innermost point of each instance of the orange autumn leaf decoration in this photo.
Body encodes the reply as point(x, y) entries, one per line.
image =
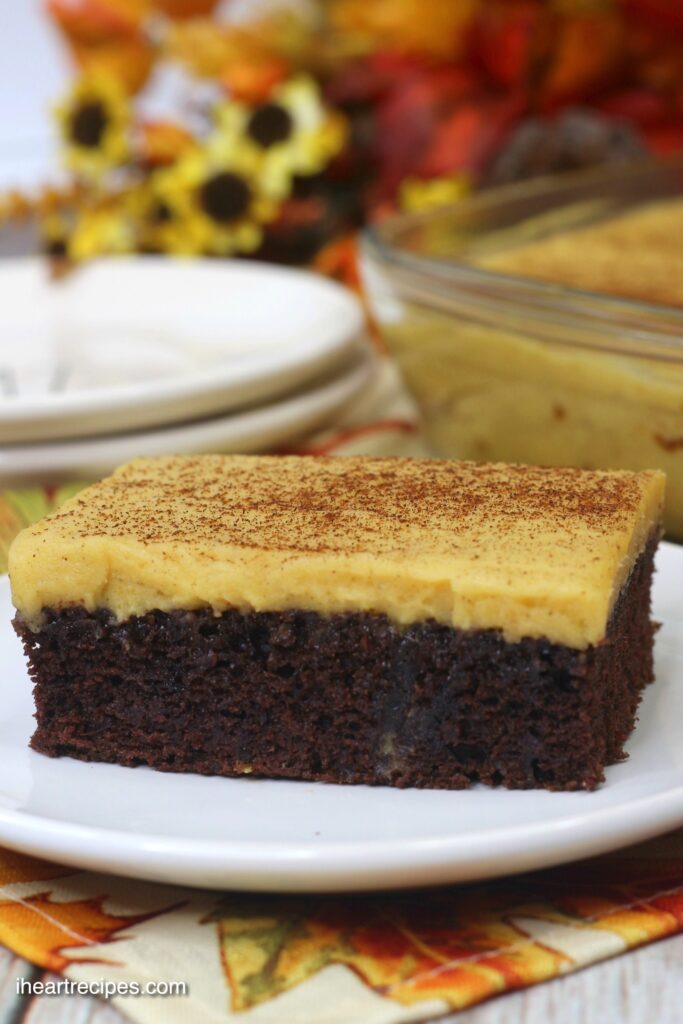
point(163, 142)
point(460, 945)
point(609, 899)
point(252, 79)
point(432, 27)
point(107, 36)
point(20, 867)
point(185, 8)
point(340, 261)
point(93, 21)
point(409, 950)
point(39, 928)
point(588, 53)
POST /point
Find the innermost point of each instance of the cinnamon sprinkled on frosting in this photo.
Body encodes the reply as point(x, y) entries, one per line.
point(530, 551)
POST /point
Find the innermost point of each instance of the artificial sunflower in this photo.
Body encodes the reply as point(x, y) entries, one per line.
point(160, 224)
point(293, 132)
point(95, 123)
point(102, 228)
point(213, 200)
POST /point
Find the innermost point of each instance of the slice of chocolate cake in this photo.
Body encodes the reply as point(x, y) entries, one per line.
point(393, 621)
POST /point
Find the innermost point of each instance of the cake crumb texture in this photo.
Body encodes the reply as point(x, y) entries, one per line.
point(346, 698)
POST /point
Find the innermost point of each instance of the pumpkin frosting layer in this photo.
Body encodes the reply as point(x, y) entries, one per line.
point(526, 550)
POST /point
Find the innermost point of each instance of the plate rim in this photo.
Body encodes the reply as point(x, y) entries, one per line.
point(339, 866)
point(299, 365)
point(314, 865)
point(304, 409)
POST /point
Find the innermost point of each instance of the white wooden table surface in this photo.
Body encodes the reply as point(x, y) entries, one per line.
point(641, 987)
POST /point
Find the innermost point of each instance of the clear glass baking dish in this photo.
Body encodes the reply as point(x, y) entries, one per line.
point(509, 368)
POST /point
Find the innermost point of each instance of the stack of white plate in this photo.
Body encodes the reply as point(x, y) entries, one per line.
point(146, 356)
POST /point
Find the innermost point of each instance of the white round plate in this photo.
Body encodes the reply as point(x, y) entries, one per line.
point(243, 432)
point(124, 344)
point(299, 836)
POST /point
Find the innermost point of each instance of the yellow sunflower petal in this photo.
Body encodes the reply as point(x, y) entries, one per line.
point(94, 121)
point(214, 200)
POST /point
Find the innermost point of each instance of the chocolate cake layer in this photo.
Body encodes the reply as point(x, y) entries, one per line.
point(349, 698)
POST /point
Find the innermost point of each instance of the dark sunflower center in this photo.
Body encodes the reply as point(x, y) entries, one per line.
point(88, 124)
point(56, 247)
point(161, 212)
point(225, 196)
point(270, 124)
